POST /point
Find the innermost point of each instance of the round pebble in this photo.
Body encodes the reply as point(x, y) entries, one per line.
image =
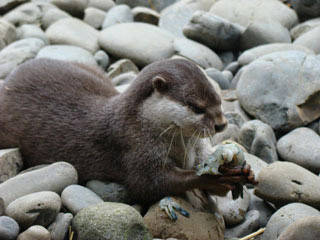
point(9, 228)
point(35, 233)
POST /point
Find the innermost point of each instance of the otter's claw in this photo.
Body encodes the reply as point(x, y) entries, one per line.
point(169, 206)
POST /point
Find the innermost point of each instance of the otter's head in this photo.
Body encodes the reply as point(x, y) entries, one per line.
point(178, 95)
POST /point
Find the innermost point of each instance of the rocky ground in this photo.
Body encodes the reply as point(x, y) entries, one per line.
point(263, 54)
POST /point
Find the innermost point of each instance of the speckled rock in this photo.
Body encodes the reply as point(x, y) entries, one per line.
point(310, 40)
point(10, 163)
point(199, 226)
point(74, 7)
point(71, 31)
point(18, 52)
point(260, 33)
point(110, 221)
point(94, 17)
point(40, 208)
point(109, 192)
point(54, 177)
point(255, 10)
point(197, 52)
point(31, 31)
point(35, 233)
point(122, 66)
point(259, 139)
point(147, 15)
point(249, 225)
point(176, 16)
point(252, 54)
point(233, 211)
point(301, 146)
point(104, 5)
point(7, 33)
point(59, 228)
point(102, 59)
point(67, 53)
point(280, 73)
point(9, 228)
point(53, 15)
point(285, 182)
point(307, 228)
point(304, 27)
point(76, 197)
point(118, 14)
point(142, 43)
point(213, 31)
point(286, 215)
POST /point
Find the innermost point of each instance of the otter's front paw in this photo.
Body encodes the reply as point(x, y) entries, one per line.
point(169, 206)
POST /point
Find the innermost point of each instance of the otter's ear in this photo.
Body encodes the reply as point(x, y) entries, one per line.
point(159, 83)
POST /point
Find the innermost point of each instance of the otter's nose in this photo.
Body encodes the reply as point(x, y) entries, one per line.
point(220, 127)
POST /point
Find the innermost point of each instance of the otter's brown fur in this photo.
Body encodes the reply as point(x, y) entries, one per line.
point(58, 111)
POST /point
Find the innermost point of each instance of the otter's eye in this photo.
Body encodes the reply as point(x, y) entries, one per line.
point(197, 109)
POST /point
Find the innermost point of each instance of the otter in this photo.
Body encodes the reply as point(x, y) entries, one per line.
point(148, 138)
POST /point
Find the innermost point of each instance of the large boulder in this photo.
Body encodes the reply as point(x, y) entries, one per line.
point(282, 89)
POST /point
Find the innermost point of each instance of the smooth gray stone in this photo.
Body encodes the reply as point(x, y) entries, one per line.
point(110, 221)
point(232, 109)
point(216, 75)
point(71, 31)
point(94, 17)
point(35, 233)
point(54, 177)
point(59, 228)
point(39, 208)
point(18, 52)
point(244, 12)
point(286, 215)
point(122, 88)
point(227, 57)
point(74, 7)
point(264, 208)
point(140, 42)
point(228, 75)
point(259, 139)
point(315, 125)
point(198, 53)
point(213, 31)
point(121, 66)
point(233, 211)
point(304, 27)
point(250, 55)
point(124, 78)
point(233, 67)
point(301, 146)
point(157, 5)
point(260, 33)
point(284, 182)
point(109, 192)
point(276, 77)
point(307, 228)
point(176, 16)
point(230, 133)
point(10, 163)
point(28, 13)
point(67, 53)
point(76, 197)
point(306, 8)
point(7, 33)
point(310, 40)
point(9, 228)
point(31, 31)
point(118, 14)
point(250, 224)
point(104, 5)
point(6, 5)
point(102, 59)
point(143, 14)
point(53, 15)
point(255, 163)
